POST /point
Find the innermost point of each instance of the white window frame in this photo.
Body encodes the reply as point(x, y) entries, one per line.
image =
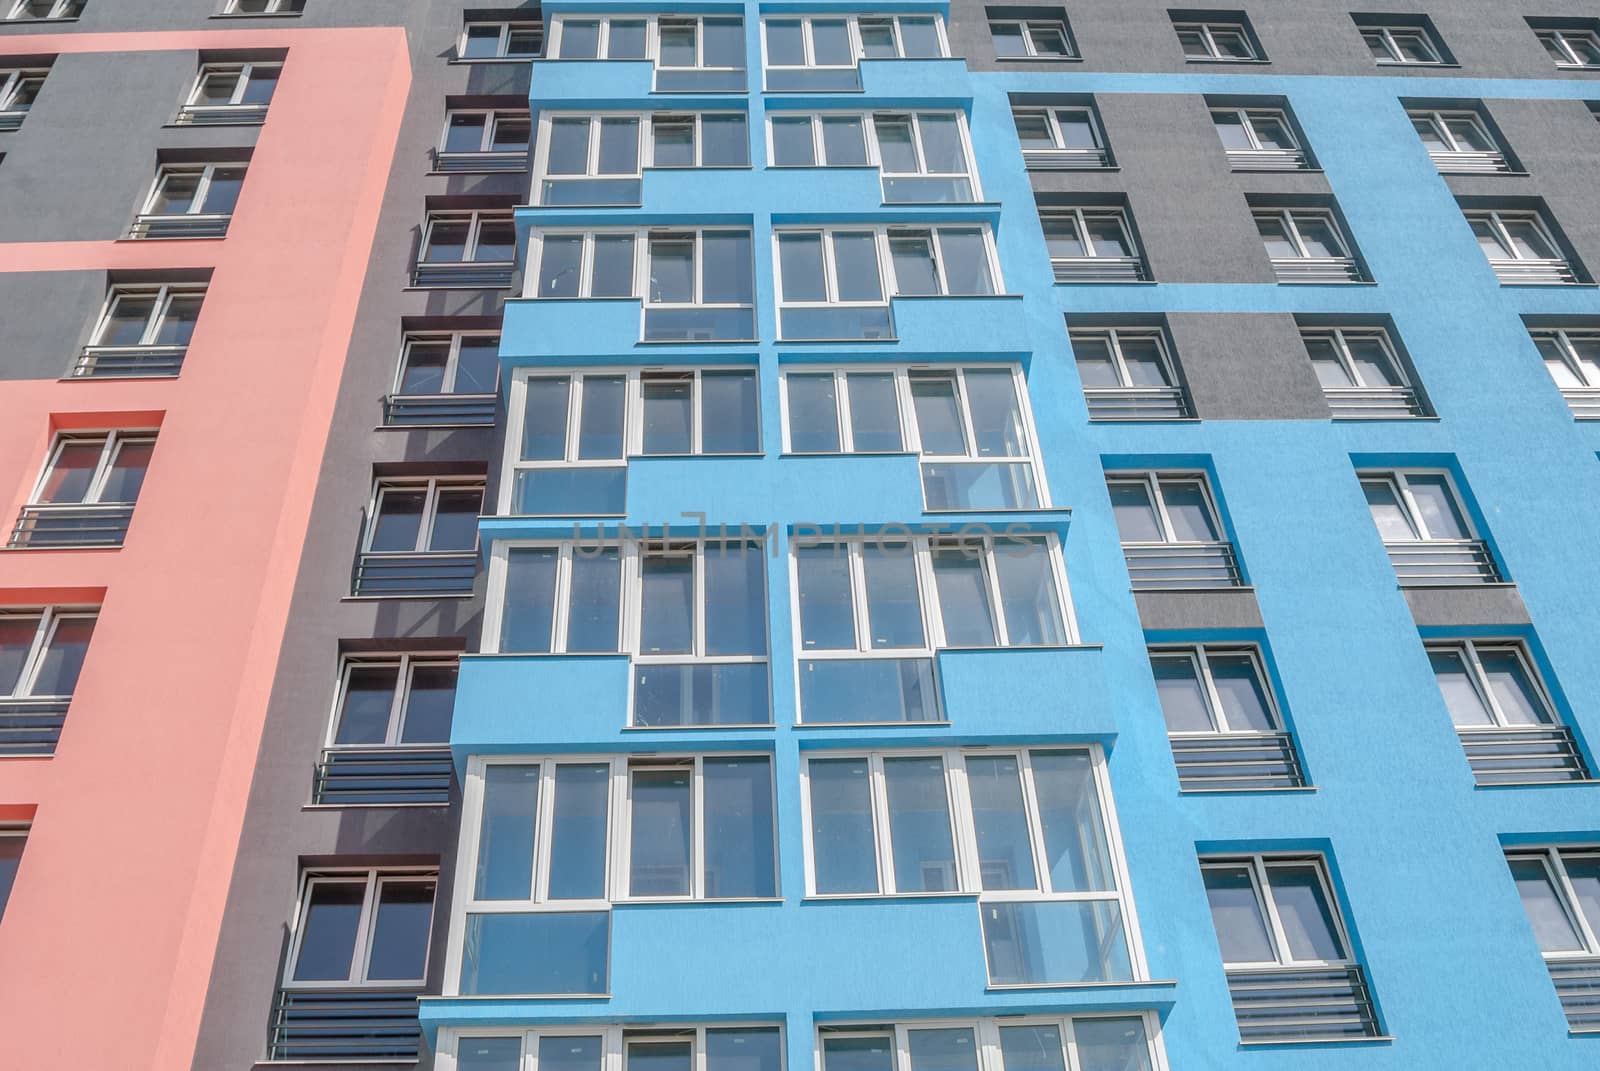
point(274, 7)
point(1247, 120)
point(852, 21)
point(869, 131)
point(1562, 337)
point(644, 154)
point(111, 442)
point(881, 233)
point(1469, 648)
point(1559, 35)
point(1399, 480)
point(652, 35)
point(452, 363)
point(1290, 219)
point(1258, 864)
point(1152, 480)
point(1032, 52)
point(698, 118)
point(11, 84)
point(164, 294)
point(1437, 119)
point(1053, 122)
point(196, 207)
point(1207, 30)
point(1340, 337)
point(1079, 214)
point(433, 487)
point(614, 1040)
point(241, 71)
point(1553, 857)
point(1386, 34)
point(376, 878)
point(1496, 219)
point(492, 118)
point(50, 619)
point(404, 663)
point(507, 28)
point(1199, 656)
point(475, 218)
point(969, 879)
point(986, 1032)
point(1113, 337)
point(61, 9)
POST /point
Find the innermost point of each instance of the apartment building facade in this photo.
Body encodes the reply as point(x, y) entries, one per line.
point(882, 537)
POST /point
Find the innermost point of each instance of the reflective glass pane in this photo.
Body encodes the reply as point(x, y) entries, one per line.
point(619, 145)
point(1271, 130)
point(1054, 942)
point(1106, 1044)
point(455, 520)
point(127, 320)
point(856, 267)
point(874, 412)
point(1181, 693)
point(578, 831)
point(666, 612)
point(464, 132)
point(1304, 910)
point(958, 576)
point(1096, 365)
point(895, 146)
point(914, 271)
point(868, 690)
point(1371, 359)
point(894, 606)
point(1583, 872)
point(858, 1054)
point(1069, 812)
point(1000, 820)
point(736, 600)
point(506, 832)
point(942, 151)
point(813, 413)
point(1061, 236)
point(612, 275)
point(1107, 234)
point(1033, 129)
point(580, 38)
point(842, 845)
point(1436, 502)
point(1513, 687)
point(740, 857)
point(1143, 357)
point(626, 39)
point(1237, 915)
point(724, 141)
point(919, 824)
point(937, 407)
point(596, 599)
point(671, 269)
point(1468, 135)
point(529, 609)
point(946, 1049)
point(919, 38)
point(1319, 236)
point(791, 141)
point(1137, 521)
point(1529, 241)
point(727, 268)
point(1231, 128)
point(786, 45)
point(800, 264)
point(560, 266)
point(966, 262)
point(328, 931)
point(877, 38)
point(744, 1049)
point(1008, 40)
point(1188, 510)
point(365, 704)
point(601, 424)
point(544, 419)
point(563, 1053)
point(662, 829)
point(398, 522)
point(175, 193)
point(1391, 517)
point(429, 704)
point(668, 413)
point(571, 954)
point(1028, 595)
point(177, 326)
point(679, 43)
point(1275, 236)
point(672, 141)
point(830, 43)
point(843, 144)
point(1031, 1048)
point(400, 928)
point(730, 407)
point(1244, 698)
point(424, 369)
point(489, 1054)
point(997, 423)
point(1552, 927)
point(223, 193)
point(71, 471)
point(62, 661)
point(827, 620)
point(1324, 355)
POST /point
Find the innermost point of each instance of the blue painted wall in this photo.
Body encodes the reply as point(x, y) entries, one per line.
point(1415, 847)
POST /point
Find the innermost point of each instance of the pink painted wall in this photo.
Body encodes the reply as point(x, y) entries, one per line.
point(107, 943)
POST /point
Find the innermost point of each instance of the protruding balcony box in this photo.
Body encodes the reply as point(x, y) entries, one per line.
point(927, 81)
point(732, 490)
point(997, 689)
point(567, 84)
point(519, 702)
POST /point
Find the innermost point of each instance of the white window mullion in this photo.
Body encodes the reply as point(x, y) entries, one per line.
point(880, 821)
point(1219, 717)
point(1280, 939)
point(1030, 807)
point(543, 824)
point(697, 817)
point(363, 941)
point(1570, 901)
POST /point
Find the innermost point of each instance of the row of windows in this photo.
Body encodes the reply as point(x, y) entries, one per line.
point(223, 92)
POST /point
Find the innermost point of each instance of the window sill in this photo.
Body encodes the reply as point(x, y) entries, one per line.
point(816, 725)
point(1132, 983)
point(1469, 585)
point(1418, 66)
point(1250, 588)
point(1463, 172)
point(372, 807)
point(1247, 169)
point(1038, 59)
point(7, 23)
point(1144, 420)
point(1269, 789)
point(475, 655)
point(1226, 59)
point(735, 726)
point(846, 898)
point(1588, 68)
point(1376, 1039)
point(241, 121)
point(493, 59)
point(872, 453)
point(406, 598)
point(1022, 647)
point(1534, 784)
point(684, 901)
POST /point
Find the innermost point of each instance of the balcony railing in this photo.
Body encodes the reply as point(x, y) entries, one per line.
point(106, 362)
point(1231, 762)
point(1266, 159)
point(1289, 1004)
point(1443, 562)
point(11, 120)
point(1182, 565)
point(439, 410)
point(1487, 162)
point(1373, 403)
point(1526, 755)
point(222, 115)
point(1317, 270)
point(383, 775)
point(200, 225)
point(1100, 269)
point(1064, 159)
point(1533, 272)
point(345, 1025)
point(475, 275)
point(1578, 985)
point(415, 574)
point(1137, 403)
point(1583, 401)
point(480, 162)
point(32, 726)
point(44, 526)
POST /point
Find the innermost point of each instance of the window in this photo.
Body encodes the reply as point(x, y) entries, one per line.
point(1572, 357)
point(822, 52)
point(599, 159)
point(482, 41)
point(226, 93)
point(1172, 533)
point(144, 330)
point(1228, 40)
point(671, 1047)
point(1506, 720)
point(1307, 245)
point(703, 53)
point(12, 840)
point(870, 613)
point(1259, 139)
point(922, 156)
point(475, 249)
point(1222, 719)
point(86, 494)
point(1060, 138)
point(264, 7)
point(362, 928)
point(832, 281)
point(1033, 33)
point(39, 10)
point(969, 419)
point(1426, 530)
point(1283, 938)
point(699, 139)
point(1572, 44)
point(697, 284)
point(578, 429)
point(1459, 141)
point(420, 537)
point(445, 378)
point(1127, 1042)
point(19, 88)
point(190, 201)
point(1402, 40)
point(1127, 374)
point(1560, 891)
point(484, 140)
point(1361, 374)
point(1092, 244)
point(1521, 246)
point(41, 655)
point(387, 742)
point(1030, 830)
point(692, 616)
